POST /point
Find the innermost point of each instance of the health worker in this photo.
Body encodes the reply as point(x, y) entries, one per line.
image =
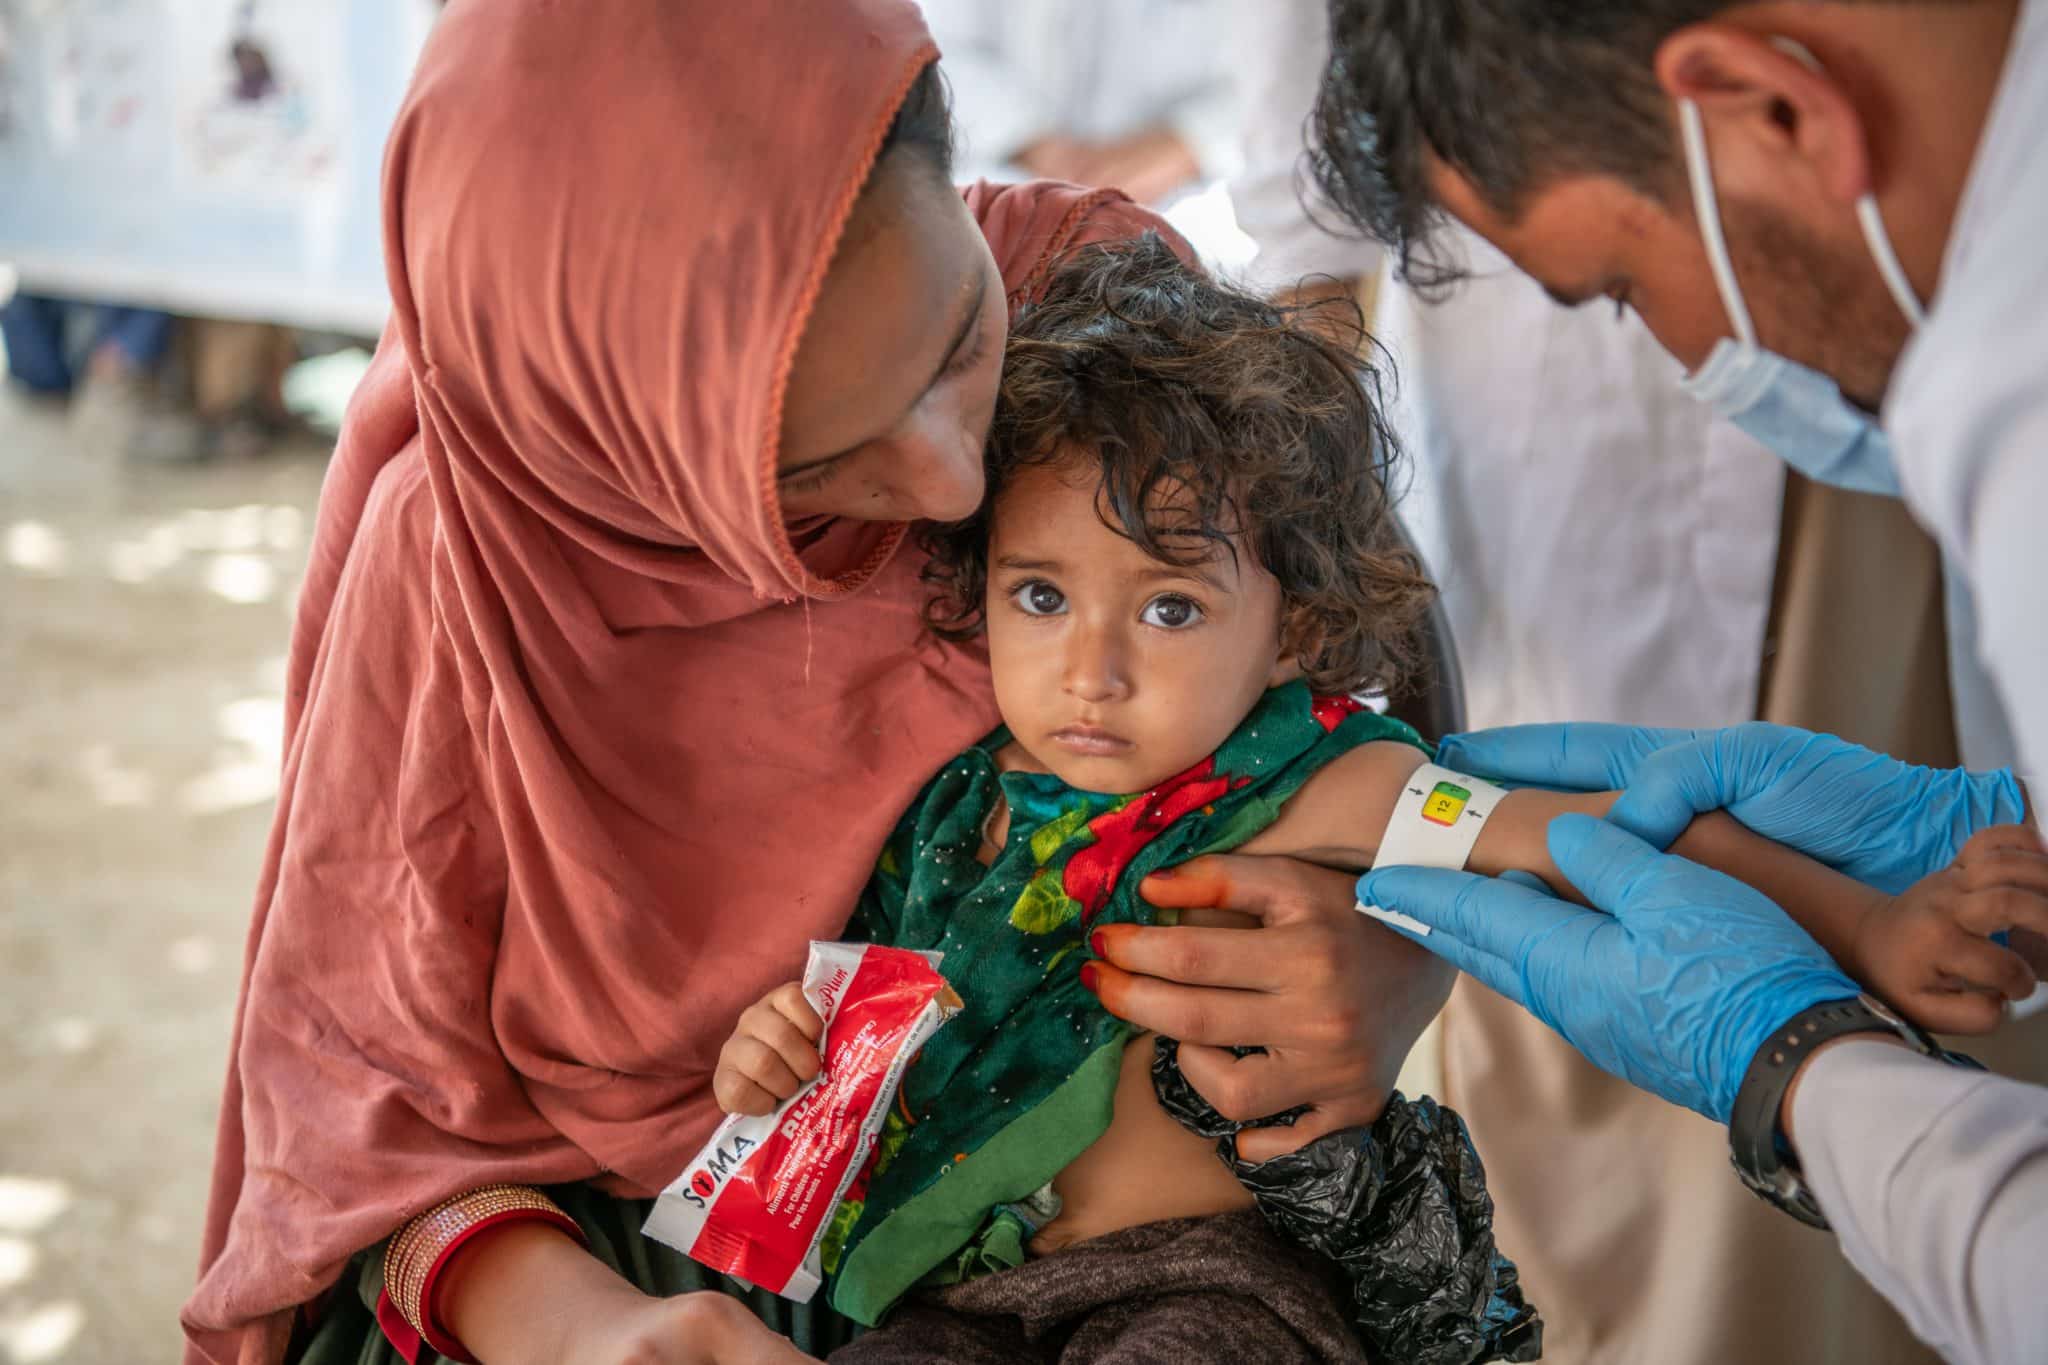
point(1832, 214)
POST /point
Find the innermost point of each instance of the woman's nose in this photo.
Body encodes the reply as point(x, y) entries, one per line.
point(942, 477)
point(1094, 666)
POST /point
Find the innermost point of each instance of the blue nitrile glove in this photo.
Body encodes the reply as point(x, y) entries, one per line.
point(1881, 821)
point(1672, 984)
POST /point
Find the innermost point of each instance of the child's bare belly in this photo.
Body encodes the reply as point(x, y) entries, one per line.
point(1146, 1167)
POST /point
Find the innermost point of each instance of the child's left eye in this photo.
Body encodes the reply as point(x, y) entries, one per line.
point(1171, 613)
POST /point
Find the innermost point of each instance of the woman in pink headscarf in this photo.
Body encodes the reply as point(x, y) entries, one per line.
point(609, 681)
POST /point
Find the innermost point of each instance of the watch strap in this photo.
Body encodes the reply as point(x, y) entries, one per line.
point(1761, 1158)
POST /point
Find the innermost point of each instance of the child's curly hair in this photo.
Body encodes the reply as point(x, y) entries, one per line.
point(1258, 418)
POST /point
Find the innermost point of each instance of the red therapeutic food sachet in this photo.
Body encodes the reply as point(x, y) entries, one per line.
point(755, 1202)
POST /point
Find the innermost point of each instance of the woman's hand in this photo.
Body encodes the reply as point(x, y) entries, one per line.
point(527, 1292)
point(709, 1328)
point(1334, 998)
point(772, 1054)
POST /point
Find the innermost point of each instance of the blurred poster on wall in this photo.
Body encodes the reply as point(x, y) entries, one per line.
point(213, 157)
point(261, 95)
point(104, 89)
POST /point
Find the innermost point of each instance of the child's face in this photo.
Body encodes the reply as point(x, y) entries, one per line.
point(1113, 670)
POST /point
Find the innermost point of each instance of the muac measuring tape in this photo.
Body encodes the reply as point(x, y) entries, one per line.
point(1435, 824)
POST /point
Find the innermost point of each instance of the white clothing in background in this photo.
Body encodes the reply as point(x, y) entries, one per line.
point(1093, 69)
point(1606, 550)
point(1936, 1182)
point(1281, 48)
point(1968, 407)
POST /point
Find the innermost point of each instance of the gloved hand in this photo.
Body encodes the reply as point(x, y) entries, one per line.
point(1880, 821)
point(1672, 984)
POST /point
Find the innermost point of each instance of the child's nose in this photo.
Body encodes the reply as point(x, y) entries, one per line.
point(1095, 665)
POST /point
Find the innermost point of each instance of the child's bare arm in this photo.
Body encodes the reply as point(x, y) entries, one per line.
point(772, 1054)
point(1336, 819)
point(1924, 951)
point(1827, 904)
point(1339, 816)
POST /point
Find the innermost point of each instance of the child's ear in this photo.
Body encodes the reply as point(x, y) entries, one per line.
point(1298, 640)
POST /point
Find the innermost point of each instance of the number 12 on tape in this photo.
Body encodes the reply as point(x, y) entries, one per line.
point(1445, 803)
point(1435, 824)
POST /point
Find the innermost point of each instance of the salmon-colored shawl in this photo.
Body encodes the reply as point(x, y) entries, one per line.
point(571, 774)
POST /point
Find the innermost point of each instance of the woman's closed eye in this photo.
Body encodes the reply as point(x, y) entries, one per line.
point(969, 355)
point(817, 476)
point(812, 479)
point(1171, 611)
point(1037, 597)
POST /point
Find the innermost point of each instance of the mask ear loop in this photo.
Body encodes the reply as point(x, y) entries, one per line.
point(1868, 216)
point(1880, 244)
point(1707, 208)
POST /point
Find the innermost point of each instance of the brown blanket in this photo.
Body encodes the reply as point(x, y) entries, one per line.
point(1219, 1288)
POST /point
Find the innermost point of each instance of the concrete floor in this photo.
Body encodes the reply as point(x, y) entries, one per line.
point(143, 622)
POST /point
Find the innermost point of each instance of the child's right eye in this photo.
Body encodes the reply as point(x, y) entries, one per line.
point(1038, 598)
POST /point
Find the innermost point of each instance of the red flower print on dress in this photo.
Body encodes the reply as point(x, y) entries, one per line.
point(1119, 834)
point(1332, 712)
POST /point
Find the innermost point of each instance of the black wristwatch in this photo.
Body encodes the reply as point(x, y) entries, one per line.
point(1758, 1149)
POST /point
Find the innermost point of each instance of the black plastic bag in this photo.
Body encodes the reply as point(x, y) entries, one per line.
point(1402, 1210)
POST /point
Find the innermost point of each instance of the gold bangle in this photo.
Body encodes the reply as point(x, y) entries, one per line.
point(418, 1246)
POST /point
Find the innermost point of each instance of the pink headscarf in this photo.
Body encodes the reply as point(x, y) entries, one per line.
point(572, 773)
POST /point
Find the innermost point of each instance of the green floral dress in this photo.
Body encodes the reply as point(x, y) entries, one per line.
point(1016, 1085)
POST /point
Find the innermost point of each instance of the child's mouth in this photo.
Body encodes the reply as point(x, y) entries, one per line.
point(1092, 741)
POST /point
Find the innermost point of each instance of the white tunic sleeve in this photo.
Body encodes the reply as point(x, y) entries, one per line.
point(1936, 1182)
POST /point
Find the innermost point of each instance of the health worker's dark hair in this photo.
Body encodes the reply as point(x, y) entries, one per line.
point(1215, 418)
point(1511, 94)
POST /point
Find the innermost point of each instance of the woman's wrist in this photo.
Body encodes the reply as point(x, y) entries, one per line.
point(431, 1258)
point(520, 1292)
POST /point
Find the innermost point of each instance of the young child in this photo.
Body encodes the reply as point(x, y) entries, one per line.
point(1184, 569)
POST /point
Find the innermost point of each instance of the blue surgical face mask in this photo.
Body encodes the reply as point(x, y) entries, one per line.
point(1797, 412)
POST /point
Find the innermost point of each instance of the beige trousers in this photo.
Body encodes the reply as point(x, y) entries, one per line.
point(1633, 1235)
